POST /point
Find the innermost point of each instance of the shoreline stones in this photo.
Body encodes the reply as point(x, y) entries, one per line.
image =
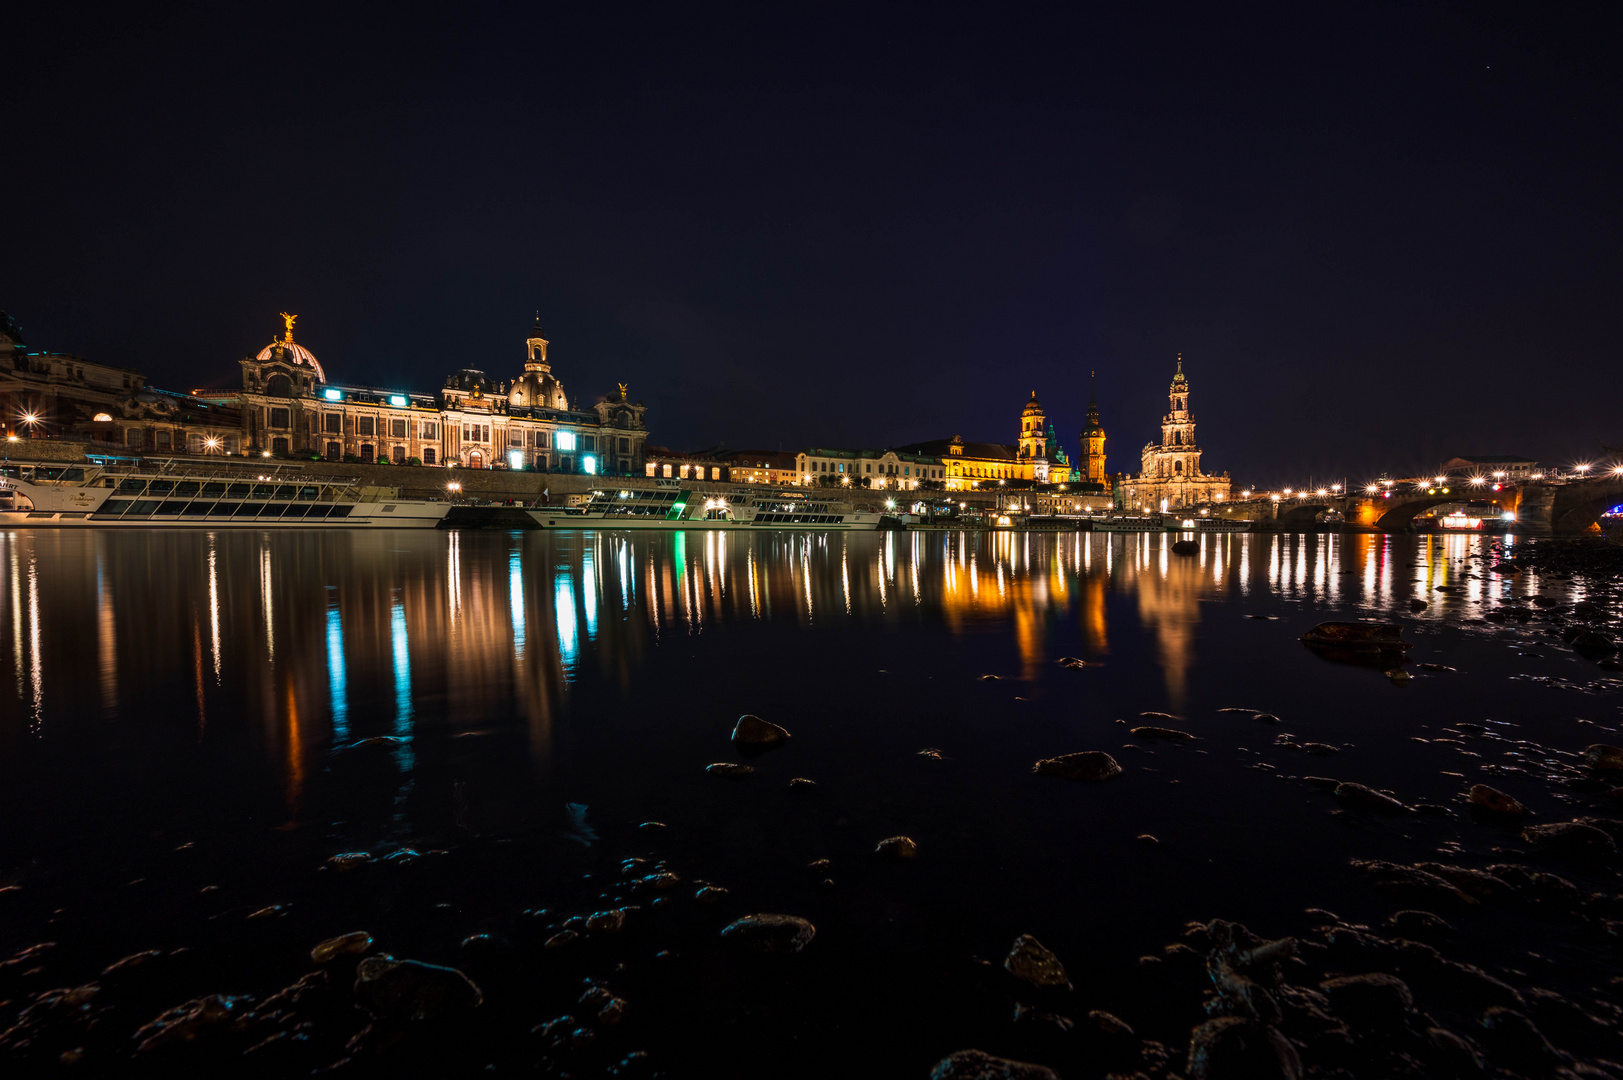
point(1094, 766)
point(979, 1065)
point(1604, 758)
point(770, 934)
point(1492, 802)
point(1166, 734)
point(1361, 797)
point(1030, 961)
point(357, 941)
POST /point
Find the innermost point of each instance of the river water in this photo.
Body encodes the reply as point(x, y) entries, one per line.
point(544, 695)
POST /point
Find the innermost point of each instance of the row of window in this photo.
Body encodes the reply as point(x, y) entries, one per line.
point(798, 519)
point(216, 489)
point(195, 442)
point(886, 469)
point(332, 423)
point(210, 508)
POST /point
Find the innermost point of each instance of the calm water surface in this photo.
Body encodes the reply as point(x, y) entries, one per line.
point(558, 689)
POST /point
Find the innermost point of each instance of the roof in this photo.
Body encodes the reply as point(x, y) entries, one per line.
point(942, 448)
point(1493, 459)
point(761, 459)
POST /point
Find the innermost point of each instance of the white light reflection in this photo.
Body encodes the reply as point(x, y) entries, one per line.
point(337, 682)
point(214, 608)
point(398, 641)
point(563, 609)
point(267, 603)
point(588, 589)
point(515, 600)
point(36, 672)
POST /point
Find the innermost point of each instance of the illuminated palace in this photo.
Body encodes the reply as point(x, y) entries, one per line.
point(289, 408)
point(1170, 476)
point(1036, 455)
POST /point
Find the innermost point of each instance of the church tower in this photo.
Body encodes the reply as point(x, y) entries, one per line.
point(1091, 468)
point(537, 345)
point(1034, 440)
point(1178, 456)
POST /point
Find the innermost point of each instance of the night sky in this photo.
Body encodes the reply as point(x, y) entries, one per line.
point(1379, 236)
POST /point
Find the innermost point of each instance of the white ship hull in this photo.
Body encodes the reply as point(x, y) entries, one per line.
point(673, 508)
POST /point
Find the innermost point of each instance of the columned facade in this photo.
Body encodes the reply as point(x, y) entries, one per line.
point(1169, 475)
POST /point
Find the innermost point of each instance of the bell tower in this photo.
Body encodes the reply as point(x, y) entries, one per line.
point(1179, 454)
point(1092, 466)
point(1033, 431)
point(537, 345)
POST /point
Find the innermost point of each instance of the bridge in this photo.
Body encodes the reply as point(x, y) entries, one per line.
point(1560, 507)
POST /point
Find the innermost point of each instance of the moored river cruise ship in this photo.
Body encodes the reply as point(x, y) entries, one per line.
point(168, 493)
point(670, 507)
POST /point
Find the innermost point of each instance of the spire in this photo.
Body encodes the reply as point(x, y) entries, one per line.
point(1178, 378)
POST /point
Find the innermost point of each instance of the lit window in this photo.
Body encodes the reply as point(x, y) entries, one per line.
point(397, 400)
point(564, 440)
point(332, 395)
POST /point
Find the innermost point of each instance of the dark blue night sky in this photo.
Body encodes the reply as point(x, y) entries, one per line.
point(1379, 235)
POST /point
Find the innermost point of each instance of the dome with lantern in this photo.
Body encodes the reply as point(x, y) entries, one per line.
point(285, 350)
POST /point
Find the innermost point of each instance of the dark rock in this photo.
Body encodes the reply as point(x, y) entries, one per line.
point(1407, 880)
point(1419, 924)
point(802, 782)
point(1417, 605)
point(187, 1023)
point(1493, 803)
point(897, 847)
point(1091, 765)
point(1109, 1023)
point(1185, 547)
point(1164, 733)
point(347, 861)
point(133, 960)
point(709, 894)
point(1592, 645)
point(1030, 961)
point(1513, 1039)
point(412, 990)
point(1026, 1014)
point(1235, 1048)
point(1571, 839)
point(1603, 757)
point(751, 733)
point(1374, 1000)
point(730, 770)
point(607, 922)
point(1359, 797)
point(975, 1065)
point(770, 933)
point(1358, 637)
point(356, 941)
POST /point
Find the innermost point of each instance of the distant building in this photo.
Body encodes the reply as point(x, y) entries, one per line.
point(1035, 456)
point(1091, 465)
point(663, 464)
point(899, 468)
point(1514, 467)
point(763, 466)
point(1170, 476)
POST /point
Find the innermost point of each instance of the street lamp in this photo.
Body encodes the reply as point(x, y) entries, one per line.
point(1581, 468)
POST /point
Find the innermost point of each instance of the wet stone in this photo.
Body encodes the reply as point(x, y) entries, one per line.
point(1603, 757)
point(730, 770)
point(133, 960)
point(189, 1022)
point(1419, 924)
point(1094, 766)
point(606, 922)
point(1571, 839)
point(802, 782)
point(753, 733)
point(897, 847)
point(356, 941)
point(347, 861)
point(1030, 961)
point(1372, 1000)
point(783, 934)
point(1160, 733)
point(709, 894)
point(1109, 1023)
point(1493, 802)
point(412, 990)
point(560, 939)
point(976, 1065)
point(1367, 799)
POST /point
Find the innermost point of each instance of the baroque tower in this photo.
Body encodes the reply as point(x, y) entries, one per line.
point(1092, 466)
point(1034, 438)
point(1178, 456)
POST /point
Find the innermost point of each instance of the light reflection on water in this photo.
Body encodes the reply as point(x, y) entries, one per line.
point(502, 624)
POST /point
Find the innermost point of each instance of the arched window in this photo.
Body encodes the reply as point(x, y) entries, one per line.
point(1177, 466)
point(278, 385)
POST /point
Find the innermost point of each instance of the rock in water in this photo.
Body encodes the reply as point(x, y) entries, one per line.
point(1571, 839)
point(1359, 797)
point(1492, 801)
point(732, 770)
point(751, 733)
point(897, 847)
point(1094, 765)
point(1232, 1046)
point(770, 933)
point(1185, 547)
point(1603, 757)
point(1166, 733)
point(1029, 960)
point(412, 990)
point(1373, 1001)
point(975, 1065)
point(357, 941)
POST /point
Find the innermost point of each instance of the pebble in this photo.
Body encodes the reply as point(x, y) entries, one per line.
point(1573, 839)
point(1162, 733)
point(770, 933)
point(977, 1065)
point(1092, 765)
point(1029, 960)
point(802, 782)
point(1359, 797)
point(731, 770)
point(606, 922)
point(1605, 758)
point(560, 939)
point(710, 894)
point(1109, 1023)
point(1234, 1046)
point(348, 860)
point(1495, 802)
point(897, 847)
point(356, 941)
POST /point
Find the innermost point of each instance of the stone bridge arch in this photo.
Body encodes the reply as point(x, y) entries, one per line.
point(1401, 511)
point(1579, 506)
point(1301, 515)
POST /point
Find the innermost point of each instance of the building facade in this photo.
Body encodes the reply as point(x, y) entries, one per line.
point(1090, 466)
point(1034, 457)
point(899, 469)
point(1170, 475)
point(290, 408)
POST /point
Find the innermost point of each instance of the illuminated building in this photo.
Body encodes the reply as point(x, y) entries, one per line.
point(1170, 476)
point(1499, 466)
point(969, 465)
point(289, 408)
point(763, 466)
point(899, 468)
point(1091, 465)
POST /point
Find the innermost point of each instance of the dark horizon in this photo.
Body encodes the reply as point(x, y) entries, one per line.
point(1379, 238)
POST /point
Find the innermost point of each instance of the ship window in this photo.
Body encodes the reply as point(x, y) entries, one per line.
point(295, 510)
point(309, 492)
point(198, 506)
point(131, 487)
point(238, 491)
point(263, 491)
point(143, 506)
point(214, 488)
point(162, 487)
point(274, 510)
point(248, 509)
point(224, 509)
point(340, 511)
point(187, 487)
point(286, 491)
point(113, 507)
point(317, 510)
